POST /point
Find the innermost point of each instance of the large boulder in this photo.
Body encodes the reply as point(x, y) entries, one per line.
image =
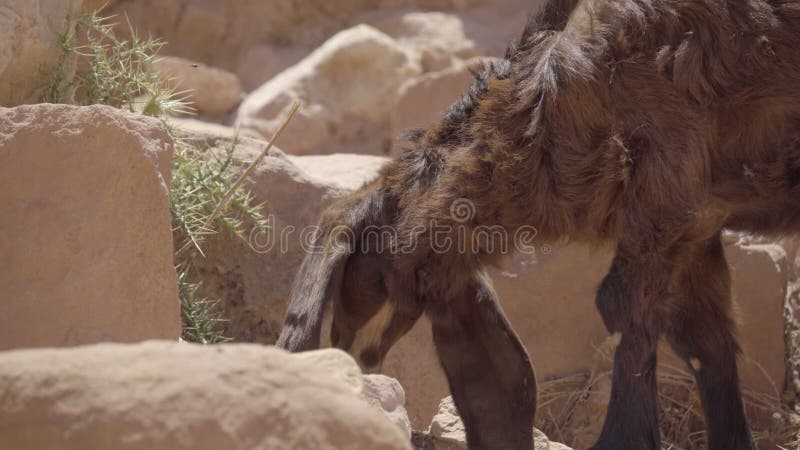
point(261, 62)
point(220, 33)
point(423, 99)
point(87, 244)
point(791, 395)
point(437, 39)
point(209, 90)
point(31, 31)
point(492, 25)
point(447, 431)
point(347, 88)
point(168, 395)
point(258, 40)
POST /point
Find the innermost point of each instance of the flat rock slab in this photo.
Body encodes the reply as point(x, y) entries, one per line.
point(86, 236)
point(169, 395)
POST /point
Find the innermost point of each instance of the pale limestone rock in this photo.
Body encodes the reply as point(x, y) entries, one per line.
point(437, 39)
point(447, 431)
point(220, 32)
point(209, 90)
point(169, 396)
point(260, 63)
point(423, 99)
point(388, 396)
point(30, 32)
point(87, 246)
point(347, 88)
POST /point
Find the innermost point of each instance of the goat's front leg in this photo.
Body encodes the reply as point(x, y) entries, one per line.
point(626, 300)
point(488, 369)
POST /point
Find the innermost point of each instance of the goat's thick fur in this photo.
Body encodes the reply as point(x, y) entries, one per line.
point(646, 125)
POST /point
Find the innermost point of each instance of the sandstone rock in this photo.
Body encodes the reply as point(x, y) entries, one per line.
point(388, 396)
point(447, 431)
point(336, 365)
point(550, 444)
point(253, 278)
point(205, 132)
point(436, 38)
point(209, 90)
point(423, 99)
point(169, 395)
point(261, 62)
point(492, 25)
point(791, 394)
point(447, 427)
point(217, 33)
point(341, 171)
point(87, 246)
point(347, 87)
point(428, 4)
point(761, 273)
point(30, 31)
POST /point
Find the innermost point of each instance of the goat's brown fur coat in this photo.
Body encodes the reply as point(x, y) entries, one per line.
point(645, 125)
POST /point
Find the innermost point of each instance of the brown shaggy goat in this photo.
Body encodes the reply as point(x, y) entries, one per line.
point(648, 125)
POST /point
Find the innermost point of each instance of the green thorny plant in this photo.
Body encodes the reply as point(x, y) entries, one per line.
point(201, 318)
point(117, 72)
point(111, 71)
point(200, 181)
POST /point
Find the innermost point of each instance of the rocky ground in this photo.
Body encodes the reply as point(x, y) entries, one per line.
point(85, 200)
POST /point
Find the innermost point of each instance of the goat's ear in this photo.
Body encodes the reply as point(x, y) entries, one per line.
point(487, 367)
point(321, 273)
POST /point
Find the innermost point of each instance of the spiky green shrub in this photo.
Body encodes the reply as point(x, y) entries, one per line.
point(116, 72)
point(201, 317)
point(200, 181)
point(111, 71)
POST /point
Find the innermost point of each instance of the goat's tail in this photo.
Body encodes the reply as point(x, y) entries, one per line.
point(320, 276)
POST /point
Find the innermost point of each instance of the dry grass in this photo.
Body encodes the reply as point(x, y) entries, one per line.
point(571, 409)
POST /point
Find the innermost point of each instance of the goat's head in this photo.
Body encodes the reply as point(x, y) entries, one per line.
point(351, 267)
point(368, 314)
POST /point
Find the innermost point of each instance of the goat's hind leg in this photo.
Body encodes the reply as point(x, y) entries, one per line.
point(701, 331)
point(488, 369)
